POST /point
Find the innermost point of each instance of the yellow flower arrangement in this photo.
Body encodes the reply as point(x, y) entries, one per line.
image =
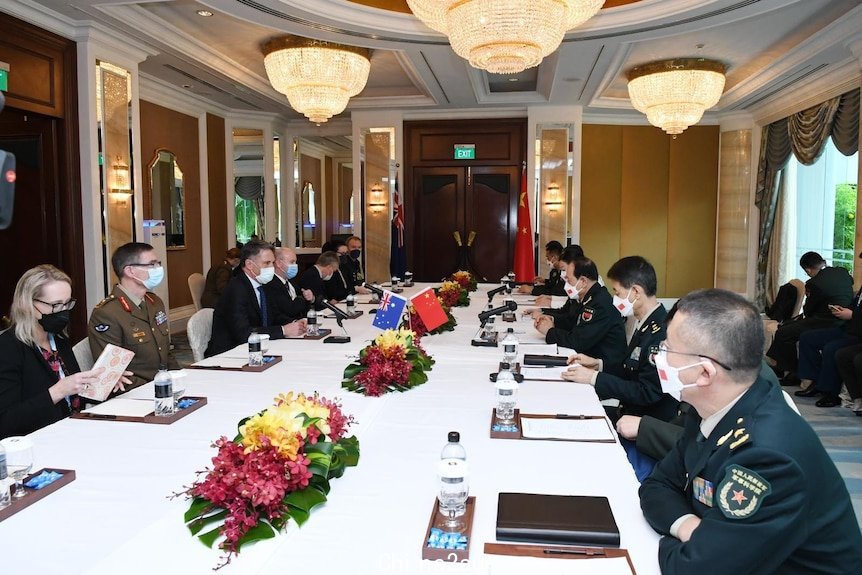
point(391, 338)
point(282, 425)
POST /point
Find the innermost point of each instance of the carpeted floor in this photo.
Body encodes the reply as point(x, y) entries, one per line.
point(839, 429)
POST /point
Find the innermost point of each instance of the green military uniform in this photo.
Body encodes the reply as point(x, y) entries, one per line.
point(769, 498)
point(141, 328)
point(596, 329)
point(635, 381)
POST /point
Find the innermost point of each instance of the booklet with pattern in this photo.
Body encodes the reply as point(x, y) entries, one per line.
point(115, 360)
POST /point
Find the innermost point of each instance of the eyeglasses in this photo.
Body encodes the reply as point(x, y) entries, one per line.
point(55, 307)
point(662, 348)
point(153, 264)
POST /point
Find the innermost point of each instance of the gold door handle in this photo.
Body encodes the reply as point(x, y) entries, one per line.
point(470, 238)
point(457, 238)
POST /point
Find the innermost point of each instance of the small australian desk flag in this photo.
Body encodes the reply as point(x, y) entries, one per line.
point(389, 312)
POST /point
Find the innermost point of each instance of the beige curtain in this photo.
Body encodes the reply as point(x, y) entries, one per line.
point(803, 134)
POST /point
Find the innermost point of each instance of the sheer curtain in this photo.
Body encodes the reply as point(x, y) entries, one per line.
point(803, 134)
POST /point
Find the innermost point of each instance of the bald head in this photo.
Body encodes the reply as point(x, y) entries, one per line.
point(284, 257)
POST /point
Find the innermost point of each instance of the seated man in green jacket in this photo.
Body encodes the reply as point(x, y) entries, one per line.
point(593, 326)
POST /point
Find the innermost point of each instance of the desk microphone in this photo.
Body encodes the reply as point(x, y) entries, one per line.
point(374, 289)
point(506, 287)
point(340, 316)
point(508, 306)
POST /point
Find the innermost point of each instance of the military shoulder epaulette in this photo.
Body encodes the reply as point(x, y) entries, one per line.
point(104, 301)
point(150, 296)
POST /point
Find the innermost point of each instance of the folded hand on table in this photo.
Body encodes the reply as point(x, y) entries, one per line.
point(579, 374)
point(584, 360)
point(627, 426)
point(543, 324)
point(543, 301)
point(294, 329)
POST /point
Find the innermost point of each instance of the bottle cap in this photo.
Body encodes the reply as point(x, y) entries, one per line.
point(454, 437)
point(510, 330)
point(163, 367)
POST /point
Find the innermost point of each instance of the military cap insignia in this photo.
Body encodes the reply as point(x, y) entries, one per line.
point(741, 492)
point(102, 327)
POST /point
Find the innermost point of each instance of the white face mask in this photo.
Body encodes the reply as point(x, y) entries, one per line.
point(623, 305)
point(668, 375)
point(572, 291)
point(266, 275)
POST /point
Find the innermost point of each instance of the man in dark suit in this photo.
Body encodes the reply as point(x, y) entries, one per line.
point(218, 278)
point(314, 278)
point(827, 286)
point(634, 380)
point(285, 303)
point(554, 284)
point(596, 328)
point(243, 306)
point(749, 488)
point(351, 268)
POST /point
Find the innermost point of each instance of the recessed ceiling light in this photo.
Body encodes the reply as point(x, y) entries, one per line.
point(204, 13)
point(187, 86)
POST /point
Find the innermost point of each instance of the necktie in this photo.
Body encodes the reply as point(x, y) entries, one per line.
point(264, 315)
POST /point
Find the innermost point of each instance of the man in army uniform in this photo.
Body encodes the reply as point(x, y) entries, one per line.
point(593, 326)
point(553, 284)
point(133, 317)
point(634, 381)
point(749, 489)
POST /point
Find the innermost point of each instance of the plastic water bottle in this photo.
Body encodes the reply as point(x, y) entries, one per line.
point(255, 355)
point(164, 393)
point(510, 347)
point(351, 303)
point(311, 327)
point(454, 488)
point(5, 481)
point(507, 397)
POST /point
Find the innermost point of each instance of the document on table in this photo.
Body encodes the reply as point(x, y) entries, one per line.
point(122, 407)
point(223, 362)
point(570, 428)
point(509, 565)
point(533, 372)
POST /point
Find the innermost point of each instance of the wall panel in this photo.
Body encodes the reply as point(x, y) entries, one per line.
point(217, 182)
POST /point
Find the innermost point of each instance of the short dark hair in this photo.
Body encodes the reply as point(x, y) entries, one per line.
point(585, 267)
point(728, 327)
point(233, 253)
point(811, 260)
point(332, 245)
point(327, 259)
point(570, 253)
point(632, 270)
point(253, 248)
point(554, 247)
point(128, 254)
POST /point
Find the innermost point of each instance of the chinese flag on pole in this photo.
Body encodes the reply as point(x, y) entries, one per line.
point(524, 265)
point(428, 307)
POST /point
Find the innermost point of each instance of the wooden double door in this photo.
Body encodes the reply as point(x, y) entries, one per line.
point(475, 200)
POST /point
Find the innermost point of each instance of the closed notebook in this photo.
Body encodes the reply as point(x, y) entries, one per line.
point(556, 519)
point(114, 360)
point(545, 360)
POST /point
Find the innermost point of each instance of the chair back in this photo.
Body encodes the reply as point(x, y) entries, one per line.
point(199, 329)
point(83, 355)
point(197, 282)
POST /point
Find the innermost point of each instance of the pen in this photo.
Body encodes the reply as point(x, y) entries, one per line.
point(564, 416)
point(101, 416)
point(573, 551)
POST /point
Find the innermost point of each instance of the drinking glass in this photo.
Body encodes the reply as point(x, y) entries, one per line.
point(19, 461)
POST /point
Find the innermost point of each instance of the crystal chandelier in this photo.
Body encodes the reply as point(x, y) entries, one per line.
point(318, 77)
point(674, 94)
point(504, 36)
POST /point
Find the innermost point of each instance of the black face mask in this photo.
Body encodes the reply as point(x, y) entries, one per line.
point(55, 322)
point(355, 254)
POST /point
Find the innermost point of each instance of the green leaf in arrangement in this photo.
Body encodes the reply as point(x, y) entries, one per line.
point(197, 525)
point(306, 499)
point(198, 506)
point(298, 515)
point(209, 538)
point(259, 532)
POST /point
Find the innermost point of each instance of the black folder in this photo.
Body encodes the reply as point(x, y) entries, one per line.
point(545, 360)
point(556, 519)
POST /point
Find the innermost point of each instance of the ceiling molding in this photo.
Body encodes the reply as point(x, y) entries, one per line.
point(357, 103)
point(467, 113)
point(157, 91)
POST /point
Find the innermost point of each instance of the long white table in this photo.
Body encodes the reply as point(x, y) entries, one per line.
point(117, 517)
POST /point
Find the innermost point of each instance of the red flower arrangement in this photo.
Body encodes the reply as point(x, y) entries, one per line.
point(452, 294)
point(394, 361)
point(465, 279)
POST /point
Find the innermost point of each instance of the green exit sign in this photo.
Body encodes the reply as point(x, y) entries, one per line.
point(465, 151)
point(4, 78)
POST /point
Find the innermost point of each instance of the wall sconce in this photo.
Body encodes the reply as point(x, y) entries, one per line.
point(553, 201)
point(121, 182)
point(376, 201)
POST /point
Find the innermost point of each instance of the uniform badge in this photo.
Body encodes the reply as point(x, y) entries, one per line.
point(587, 314)
point(636, 353)
point(161, 317)
point(102, 327)
point(139, 335)
point(741, 492)
point(703, 490)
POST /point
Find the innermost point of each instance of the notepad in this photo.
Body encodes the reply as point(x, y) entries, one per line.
point(544, 373)
point(508, 565)
point(596, 429)
point(114, 360)
point(123, 407)
point(223, 362)
point(566, 519)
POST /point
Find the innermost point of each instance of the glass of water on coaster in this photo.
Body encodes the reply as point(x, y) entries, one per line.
point(19, 461)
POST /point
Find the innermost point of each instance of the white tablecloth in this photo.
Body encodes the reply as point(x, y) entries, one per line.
point(117, 516)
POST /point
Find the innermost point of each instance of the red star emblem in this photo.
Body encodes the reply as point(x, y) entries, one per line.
point(739, 496)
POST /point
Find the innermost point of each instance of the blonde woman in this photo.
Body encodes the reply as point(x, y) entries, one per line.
point(39, 377)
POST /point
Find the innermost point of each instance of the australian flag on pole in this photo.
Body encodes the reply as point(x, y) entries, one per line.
point(389, 311)
point(398, 251)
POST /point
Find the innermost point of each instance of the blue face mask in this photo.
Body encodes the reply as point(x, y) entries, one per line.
point(156, 275)
point(292, 270)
